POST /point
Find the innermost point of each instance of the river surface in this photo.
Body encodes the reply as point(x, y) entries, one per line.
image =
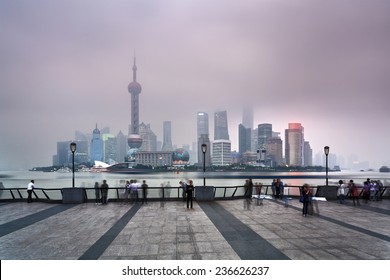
point(48, 180)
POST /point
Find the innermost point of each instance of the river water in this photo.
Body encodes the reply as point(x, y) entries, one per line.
point(57, 180)
point(48, 180)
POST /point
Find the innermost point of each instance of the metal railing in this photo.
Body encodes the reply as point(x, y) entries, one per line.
point(55, 195)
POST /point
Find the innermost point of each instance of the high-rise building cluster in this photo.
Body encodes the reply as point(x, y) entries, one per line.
point(259, 146)
point(265, 147)
point(256, 146)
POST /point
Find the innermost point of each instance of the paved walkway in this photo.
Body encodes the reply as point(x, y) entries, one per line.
point(222, 230)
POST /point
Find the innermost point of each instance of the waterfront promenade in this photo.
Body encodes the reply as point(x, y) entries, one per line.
point(220, 230)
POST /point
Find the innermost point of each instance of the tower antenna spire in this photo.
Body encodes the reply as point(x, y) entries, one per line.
point(134, 140)
point(134, 69)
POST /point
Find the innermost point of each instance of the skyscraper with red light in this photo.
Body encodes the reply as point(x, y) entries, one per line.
point(294, 144)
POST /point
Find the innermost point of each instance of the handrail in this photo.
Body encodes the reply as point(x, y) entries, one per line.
point(162, 193)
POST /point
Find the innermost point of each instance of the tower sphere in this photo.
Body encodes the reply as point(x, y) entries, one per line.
point(134, 141)
point(134, 88)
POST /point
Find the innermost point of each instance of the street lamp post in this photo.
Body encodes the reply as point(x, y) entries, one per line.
point(73, 149)
point(263, 151)
point(204, 149)
point(326, 151)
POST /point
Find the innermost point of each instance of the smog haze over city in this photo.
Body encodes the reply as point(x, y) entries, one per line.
point(65, 67)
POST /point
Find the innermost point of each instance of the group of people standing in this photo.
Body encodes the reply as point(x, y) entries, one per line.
point(132, 187)
point(249, 188)
point(277, 188)
point(130, 191)
point(101, 193)
point(370, 191)
point(342, 191)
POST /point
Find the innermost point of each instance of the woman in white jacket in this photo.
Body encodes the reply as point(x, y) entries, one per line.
point(341, 191)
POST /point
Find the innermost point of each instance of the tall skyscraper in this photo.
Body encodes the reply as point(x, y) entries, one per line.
point(245, 131)
point(255, 140)
point(264, 131)
point(247, 117)
point(222, 148)
point(203, 138)
point(244, 139)
point(294, 138)
point(96, 152)
point(63, 151)
point(109, 148)
point(121, 144)
point(307, 154)
point(149, 138)
point(167, 141)
point(222, 152)
point(274, 150)
point(134, 140)
point(202, 124)
point(221, 131)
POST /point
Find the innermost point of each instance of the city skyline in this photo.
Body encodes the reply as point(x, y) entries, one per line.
point(320, 63)
point(277, 154)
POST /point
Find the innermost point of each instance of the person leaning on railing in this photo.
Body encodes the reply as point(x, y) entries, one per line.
point(30, 188)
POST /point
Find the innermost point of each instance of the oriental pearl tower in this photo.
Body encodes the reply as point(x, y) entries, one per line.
point(134, 140)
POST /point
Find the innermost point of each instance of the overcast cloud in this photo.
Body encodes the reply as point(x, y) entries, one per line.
point(65, 66)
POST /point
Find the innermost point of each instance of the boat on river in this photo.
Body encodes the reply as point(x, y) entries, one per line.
point(119, 168)
point(384, 169)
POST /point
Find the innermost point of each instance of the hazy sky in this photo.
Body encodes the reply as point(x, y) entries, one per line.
point(65, 66)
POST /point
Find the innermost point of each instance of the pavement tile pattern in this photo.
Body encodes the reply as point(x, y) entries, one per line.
point(220, 230)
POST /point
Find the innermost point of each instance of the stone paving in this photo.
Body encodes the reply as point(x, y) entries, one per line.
point(169, 231)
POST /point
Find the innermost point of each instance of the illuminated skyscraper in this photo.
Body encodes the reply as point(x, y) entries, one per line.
point(109, 148)
point(96, 152)
point(294, 138)
point(134, 140)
